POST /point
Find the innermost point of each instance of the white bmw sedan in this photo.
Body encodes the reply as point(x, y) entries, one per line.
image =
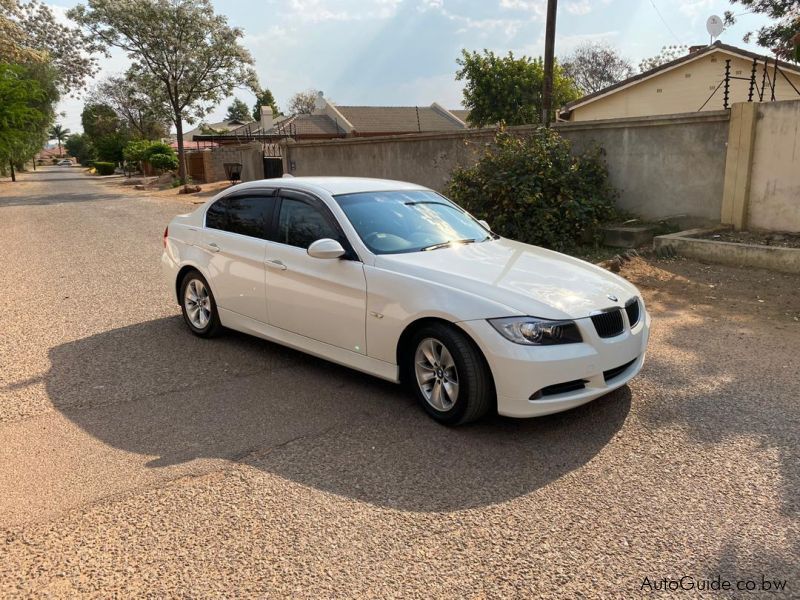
point(395, 280)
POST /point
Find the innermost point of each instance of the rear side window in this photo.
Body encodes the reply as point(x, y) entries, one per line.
point(245, 215)
point(300, 224)
point(215, 215)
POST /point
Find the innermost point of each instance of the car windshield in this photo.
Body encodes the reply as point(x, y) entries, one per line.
point(409, 221)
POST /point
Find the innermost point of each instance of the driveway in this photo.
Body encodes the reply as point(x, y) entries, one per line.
point(136, 458)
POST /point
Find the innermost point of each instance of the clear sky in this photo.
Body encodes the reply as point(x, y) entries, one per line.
point(403, 52)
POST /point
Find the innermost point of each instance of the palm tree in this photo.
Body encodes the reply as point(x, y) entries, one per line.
point(58, 133)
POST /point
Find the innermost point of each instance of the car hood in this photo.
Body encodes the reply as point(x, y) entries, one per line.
point(528, 279)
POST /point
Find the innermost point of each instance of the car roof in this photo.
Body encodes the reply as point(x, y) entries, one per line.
point(333, 185)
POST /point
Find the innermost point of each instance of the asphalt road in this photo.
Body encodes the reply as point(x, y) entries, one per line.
point(138, 460)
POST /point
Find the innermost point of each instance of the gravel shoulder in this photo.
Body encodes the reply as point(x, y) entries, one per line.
point(139, 461)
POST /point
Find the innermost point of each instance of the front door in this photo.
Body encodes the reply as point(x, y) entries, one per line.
point(234, 241)
point(323, 299)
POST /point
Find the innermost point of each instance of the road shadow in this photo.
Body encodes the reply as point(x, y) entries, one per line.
point(156, 390)
point(59, 197)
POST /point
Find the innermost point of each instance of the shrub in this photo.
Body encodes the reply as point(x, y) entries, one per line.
point(532, 189)
point(104, 168)
point(164, 162)
point(158, 148)
point(136, 151)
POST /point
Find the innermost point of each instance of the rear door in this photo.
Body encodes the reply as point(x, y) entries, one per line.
point(323, 299)
point(234, 239)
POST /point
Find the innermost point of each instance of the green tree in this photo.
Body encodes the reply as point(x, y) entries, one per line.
point(135, 152)
point(783, 35)
point(181, 49)
point(80, 146)
point(161, 156)
point(107, 134)
point(264, 98)
point(238, 111)
point(508, 89)
point(594, 66)
point(99, 120)
point(26, 110)
point(667, 54)
point(59, 134)
point(110, 147)
point(142, 113)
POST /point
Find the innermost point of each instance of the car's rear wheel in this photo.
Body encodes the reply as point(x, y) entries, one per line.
point(198, 306)
point(449, 375)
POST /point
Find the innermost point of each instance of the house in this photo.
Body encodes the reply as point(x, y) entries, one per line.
point(219, 127)
point(691, 83)
point(329, 120)
point(47, 156)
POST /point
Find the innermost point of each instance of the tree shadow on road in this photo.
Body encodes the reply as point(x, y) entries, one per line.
point(156, 390)
point(737, 376)
point(57, 198)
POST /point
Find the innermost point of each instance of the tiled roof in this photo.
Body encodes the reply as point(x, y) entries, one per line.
point(396, 119)
point(461, 113)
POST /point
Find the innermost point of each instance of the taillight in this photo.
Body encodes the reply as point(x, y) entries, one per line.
point(166, 233)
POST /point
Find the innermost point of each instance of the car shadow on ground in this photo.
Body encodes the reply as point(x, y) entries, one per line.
point(156, 390)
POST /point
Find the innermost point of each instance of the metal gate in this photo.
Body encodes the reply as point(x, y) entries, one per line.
point(273, 162)
point(273, 167)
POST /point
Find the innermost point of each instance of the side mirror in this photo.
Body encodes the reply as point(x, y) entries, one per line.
point(326, 248)
point(485, 224)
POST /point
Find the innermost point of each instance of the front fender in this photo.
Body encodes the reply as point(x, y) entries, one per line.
point(395, 300)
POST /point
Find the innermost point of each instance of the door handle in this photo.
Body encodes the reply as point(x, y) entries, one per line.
point(213, 247)
point(274, 263)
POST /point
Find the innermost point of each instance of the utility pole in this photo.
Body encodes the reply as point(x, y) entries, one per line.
point(549, 49)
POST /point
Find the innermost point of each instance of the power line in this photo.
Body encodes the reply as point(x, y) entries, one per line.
point(658, 12)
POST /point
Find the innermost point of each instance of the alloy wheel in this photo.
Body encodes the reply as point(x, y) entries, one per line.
point(197, 302)
point(436, 373)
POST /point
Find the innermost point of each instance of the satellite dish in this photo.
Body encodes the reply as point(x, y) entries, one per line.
point(714, 26)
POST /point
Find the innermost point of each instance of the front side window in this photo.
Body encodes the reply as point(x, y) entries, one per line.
point(300, 224)
point(245, 215)
point(409, 221)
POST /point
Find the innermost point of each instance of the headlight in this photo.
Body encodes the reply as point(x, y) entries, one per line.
point(537, 332)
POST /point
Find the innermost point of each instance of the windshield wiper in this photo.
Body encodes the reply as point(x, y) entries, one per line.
point(415, 202)
point(446, 244)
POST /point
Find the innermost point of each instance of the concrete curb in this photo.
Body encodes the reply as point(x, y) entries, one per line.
point(785, 260)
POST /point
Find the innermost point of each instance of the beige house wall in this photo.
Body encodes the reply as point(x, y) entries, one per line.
point(662, 167)
point(684, 89)
point(775, 172)
point(251, 157)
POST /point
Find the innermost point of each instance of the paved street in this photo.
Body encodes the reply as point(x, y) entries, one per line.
point(137, 459)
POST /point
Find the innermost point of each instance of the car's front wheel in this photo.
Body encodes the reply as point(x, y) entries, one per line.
point(198, 305)
point(449, 375)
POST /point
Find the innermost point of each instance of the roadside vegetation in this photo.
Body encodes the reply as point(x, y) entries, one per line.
point(41, 60)
point(533, 189)
point(187, 57)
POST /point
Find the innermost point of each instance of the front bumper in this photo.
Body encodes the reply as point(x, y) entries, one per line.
point(521, 371)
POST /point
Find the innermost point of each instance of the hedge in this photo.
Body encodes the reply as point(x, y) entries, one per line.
point(104, 168)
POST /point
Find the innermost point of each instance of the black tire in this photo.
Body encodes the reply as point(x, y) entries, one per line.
point(476, 395)
point(213, 326)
